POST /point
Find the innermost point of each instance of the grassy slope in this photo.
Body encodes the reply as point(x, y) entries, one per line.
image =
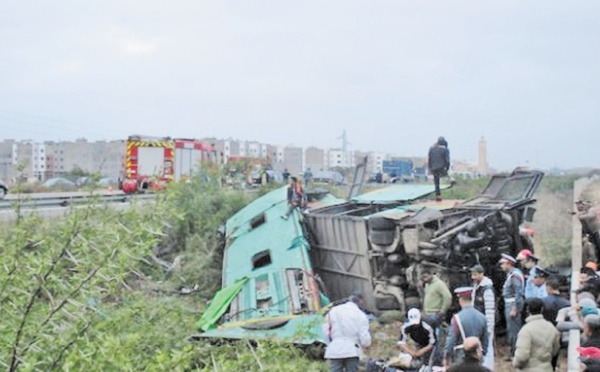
point(142, 323)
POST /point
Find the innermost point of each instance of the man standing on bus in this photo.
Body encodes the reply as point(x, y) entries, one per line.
point(295, 197)
point(439, 163)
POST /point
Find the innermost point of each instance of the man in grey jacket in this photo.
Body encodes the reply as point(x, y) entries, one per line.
point(538, 341)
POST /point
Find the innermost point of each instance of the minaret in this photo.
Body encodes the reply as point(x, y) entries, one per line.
point(482, 166)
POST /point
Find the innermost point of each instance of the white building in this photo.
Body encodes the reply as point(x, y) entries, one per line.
point(375, 161)
point(339, 158)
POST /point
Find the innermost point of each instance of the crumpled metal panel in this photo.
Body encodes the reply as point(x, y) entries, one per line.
point(397, 193)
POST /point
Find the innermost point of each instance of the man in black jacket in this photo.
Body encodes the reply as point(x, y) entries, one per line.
point(554, 301)
point(439, 163)
point(589, 281)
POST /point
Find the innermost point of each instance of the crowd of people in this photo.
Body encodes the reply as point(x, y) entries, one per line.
point(536, 315)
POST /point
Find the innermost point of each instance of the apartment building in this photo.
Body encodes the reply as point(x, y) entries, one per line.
point(275, 153)
point(340, 158)
point(293, 159)
point(315, 158)
point(7, 159)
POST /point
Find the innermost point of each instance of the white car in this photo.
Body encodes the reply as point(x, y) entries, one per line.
point(3, 189)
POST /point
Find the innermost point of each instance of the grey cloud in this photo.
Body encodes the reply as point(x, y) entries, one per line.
point(394, 74)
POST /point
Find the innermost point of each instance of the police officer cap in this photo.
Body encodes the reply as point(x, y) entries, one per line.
point(532, 257)
point(463, 291)
point(507, 258)
point(524, 254)
point(541, 272)
point(477, 269)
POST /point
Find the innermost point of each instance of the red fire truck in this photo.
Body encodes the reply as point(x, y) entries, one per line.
point(189, 154)
point(152, 162)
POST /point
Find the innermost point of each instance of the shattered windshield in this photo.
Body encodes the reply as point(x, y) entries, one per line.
point(515, 188)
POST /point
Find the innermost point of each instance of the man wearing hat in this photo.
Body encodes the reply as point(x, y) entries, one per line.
point(420, 333)
point(539, 283)
point(347, 331)
point(484, 300)
point(528, 261)
point(467, 323)
point(512, 292)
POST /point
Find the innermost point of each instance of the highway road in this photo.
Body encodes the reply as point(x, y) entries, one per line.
point(59, 204)
point(70, 194)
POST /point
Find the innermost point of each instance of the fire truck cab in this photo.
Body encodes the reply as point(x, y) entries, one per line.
point(152, 162)
point(148, 163)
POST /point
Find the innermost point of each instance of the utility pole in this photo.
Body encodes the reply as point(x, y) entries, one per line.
point(345, 144)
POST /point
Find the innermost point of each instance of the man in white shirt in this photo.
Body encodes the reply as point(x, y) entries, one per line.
point(347, 330)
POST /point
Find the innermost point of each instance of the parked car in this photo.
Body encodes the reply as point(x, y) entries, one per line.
point(106, 181)
point(3, 189)
point(59, 182)
point(329, 177)
point(82, 181)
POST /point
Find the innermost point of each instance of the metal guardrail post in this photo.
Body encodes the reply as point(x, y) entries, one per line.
point(576, 264)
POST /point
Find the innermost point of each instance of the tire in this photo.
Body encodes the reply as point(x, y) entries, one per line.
point(3, 192)
point(382, 237)
point(381, 224)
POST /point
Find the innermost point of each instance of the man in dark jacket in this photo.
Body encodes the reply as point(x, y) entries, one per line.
point(589, 281)
point(554, 301)
point(552, 304)
point(439, 163)
point(591, 331)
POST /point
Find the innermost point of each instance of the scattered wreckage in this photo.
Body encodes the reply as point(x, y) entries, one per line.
point(279, 275)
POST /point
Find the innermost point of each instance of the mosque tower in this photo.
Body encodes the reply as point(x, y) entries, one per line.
point(482, 165)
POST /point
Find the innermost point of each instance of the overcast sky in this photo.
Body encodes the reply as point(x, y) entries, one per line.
point(394, 74)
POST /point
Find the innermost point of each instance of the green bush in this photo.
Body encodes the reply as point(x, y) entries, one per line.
point(53, 272)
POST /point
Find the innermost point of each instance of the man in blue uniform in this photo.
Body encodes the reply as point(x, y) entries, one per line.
point(512, 292)
point(469, 322)
point(539, 283)
point(528, 263)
